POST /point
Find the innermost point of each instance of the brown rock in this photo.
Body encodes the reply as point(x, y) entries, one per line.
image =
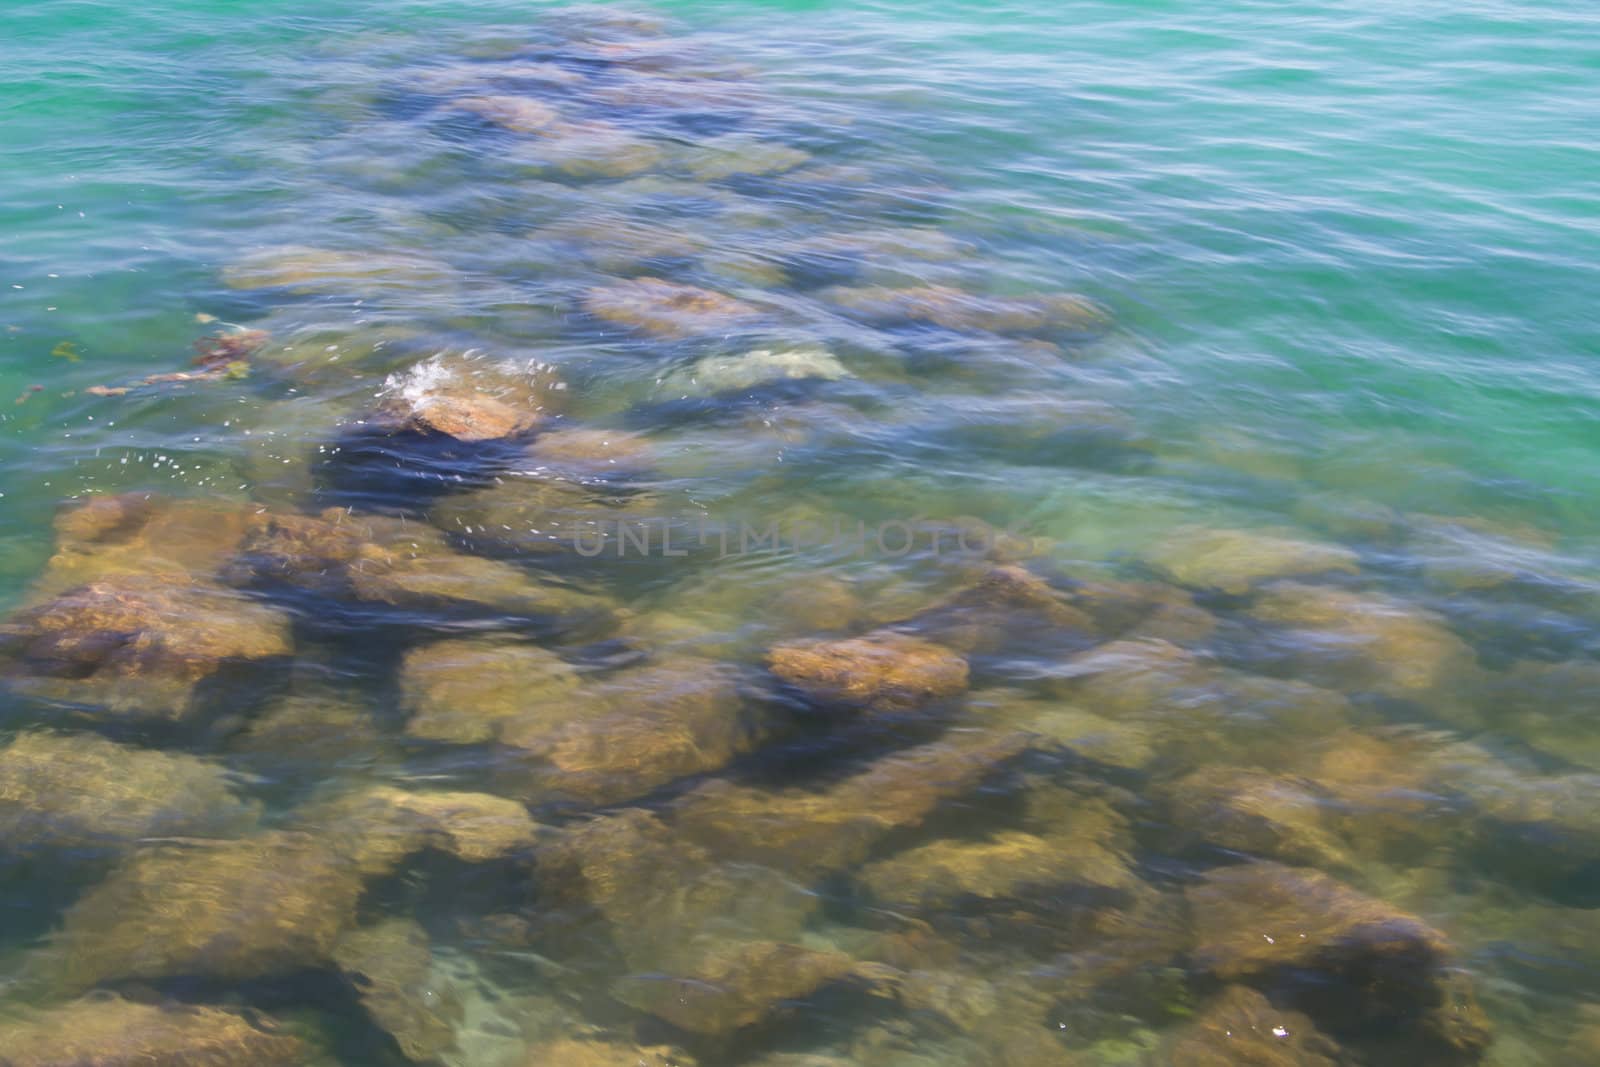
point(1375, 966)
point(664, 309)
point(1256, 813)
point(470, 398)
point(1008, 605)
point(1241, 1028)
point(465, 690)
point(816, 832)
point(390, 561)
point(138, 647)
point(265, 904)
point(84, 792)
point(603, 1054)
point(735, 986)
point(144, 534)
point(379, 826)
point(1008, 866)
point(665, 901)
point(112, 1032)
point(640, 730)
point(881, 671)
point(388, 965)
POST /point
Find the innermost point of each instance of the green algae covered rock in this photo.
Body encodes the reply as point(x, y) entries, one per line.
point(389, 967)
point(1357, 641)
point(1234, 561)
point(1376, 966)
point(1253, 812)
point(265, 904)
point(379, 826)
point(815, 832)
point(762, 366)
point(112, 1032)
point(271, 902)
point(466, 690)
point(1241, 1028)
point(1006, 606)
point(60, 791)
point(632, 732)
point(576, 1053)
point(1008, 866)
point(734, 986)
point(323, 271)
point(664, 900)
point(883, 671)
point(147, 535)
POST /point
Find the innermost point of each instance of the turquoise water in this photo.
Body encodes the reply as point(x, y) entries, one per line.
point(1346, 256)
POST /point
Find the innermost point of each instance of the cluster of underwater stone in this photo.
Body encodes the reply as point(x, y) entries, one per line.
point(1019, 938)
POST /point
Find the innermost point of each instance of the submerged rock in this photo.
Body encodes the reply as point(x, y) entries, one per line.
point(734, 986)
point(1255, 813)
point(519, 114)
point(310, 733)
point(139, 647)
point(470, 398)
point(638, 731)
point(587, 454)
point(1009, 866)
point(883, 671)
point(545, 514)
point(318, 270)
point(603, 1054)
point(1233, 561)
point(112, 1032)
point(954, 309)
point(617, 243)
point(465, 690)
point(389, 966)
point(1354, 963)
point(665, 309)
point(274, 901)
point(1008, 607)
point(83, 792)
point(812, 833)
point(664, 899)
point(265, 904)
point(1127, 745)
point(383, 561)
point(379, 826)
point(142, 534)
point(588, 150)
point(1357, 641)
point(727, 157)
point(1241, 1028)
point(763, 366)
point(1193, 710)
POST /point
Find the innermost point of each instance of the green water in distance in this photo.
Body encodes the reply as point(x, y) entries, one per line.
point(1350, 251)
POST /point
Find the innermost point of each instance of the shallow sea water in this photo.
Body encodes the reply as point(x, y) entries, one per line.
point(798, 534)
